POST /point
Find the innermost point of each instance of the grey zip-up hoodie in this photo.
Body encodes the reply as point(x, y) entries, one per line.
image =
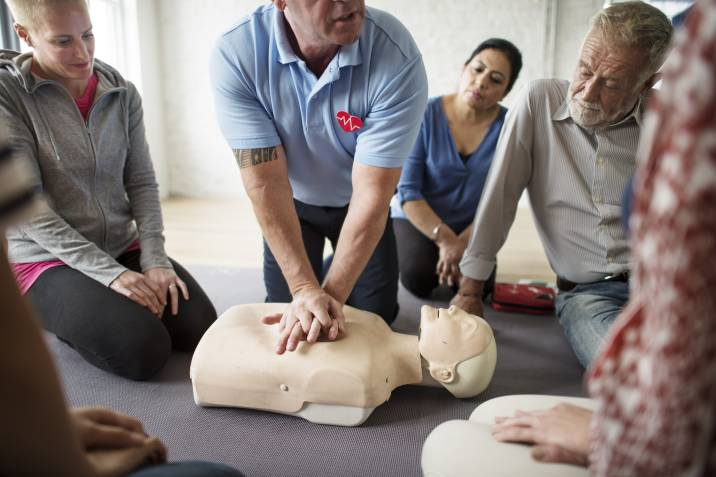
point(97, 176)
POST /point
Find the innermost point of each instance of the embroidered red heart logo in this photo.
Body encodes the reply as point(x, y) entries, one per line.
point(348, 122)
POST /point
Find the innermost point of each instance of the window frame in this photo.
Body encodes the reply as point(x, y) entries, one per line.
point(8, 38)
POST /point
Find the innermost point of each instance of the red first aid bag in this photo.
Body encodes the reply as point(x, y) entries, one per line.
point(532, 299)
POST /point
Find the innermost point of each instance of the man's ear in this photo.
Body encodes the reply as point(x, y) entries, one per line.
point(23, 34)
point(280, 4)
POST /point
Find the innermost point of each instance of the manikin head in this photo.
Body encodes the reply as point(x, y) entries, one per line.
point(459, 349)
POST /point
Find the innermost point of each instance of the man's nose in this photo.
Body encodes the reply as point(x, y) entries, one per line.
point(591, 91)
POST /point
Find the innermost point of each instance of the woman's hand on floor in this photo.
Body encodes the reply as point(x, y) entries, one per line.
point(100, 428)
point(141, 290)
point(114, 443)
point(169, 283)
point(559, 434)
point(120, 462)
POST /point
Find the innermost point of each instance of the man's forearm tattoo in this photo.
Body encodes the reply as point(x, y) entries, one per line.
point(253, 157)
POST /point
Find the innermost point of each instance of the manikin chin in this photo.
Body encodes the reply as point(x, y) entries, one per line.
point(343, 381)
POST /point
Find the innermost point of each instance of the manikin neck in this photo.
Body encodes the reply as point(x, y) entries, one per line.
point(409, 363)
point(406, 359)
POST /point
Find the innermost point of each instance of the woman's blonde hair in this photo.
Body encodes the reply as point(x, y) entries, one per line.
point(27, 13)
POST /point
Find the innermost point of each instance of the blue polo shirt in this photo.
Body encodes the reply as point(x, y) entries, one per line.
point(265, 95)
point(436, 173)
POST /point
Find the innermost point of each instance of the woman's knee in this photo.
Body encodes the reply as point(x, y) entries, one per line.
point(187, 328)
point(418, 281)
point(142, 351)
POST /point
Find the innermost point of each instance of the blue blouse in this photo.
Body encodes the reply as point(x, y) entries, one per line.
point(436, 173)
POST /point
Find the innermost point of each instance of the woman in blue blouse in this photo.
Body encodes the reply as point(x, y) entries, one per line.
point(442, 179)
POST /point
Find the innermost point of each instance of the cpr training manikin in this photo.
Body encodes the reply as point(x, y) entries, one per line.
point(338, 382)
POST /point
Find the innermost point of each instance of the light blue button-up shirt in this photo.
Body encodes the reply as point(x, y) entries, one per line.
point(265, 95)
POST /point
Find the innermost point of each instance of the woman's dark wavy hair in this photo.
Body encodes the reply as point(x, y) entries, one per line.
point(509, 50)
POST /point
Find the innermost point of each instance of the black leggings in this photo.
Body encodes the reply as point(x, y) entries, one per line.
point(417, 258)
point(111, 331)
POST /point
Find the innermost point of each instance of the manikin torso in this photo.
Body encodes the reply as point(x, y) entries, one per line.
point(343, 381)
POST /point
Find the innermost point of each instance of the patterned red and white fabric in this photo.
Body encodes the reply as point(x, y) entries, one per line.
point(656, 378)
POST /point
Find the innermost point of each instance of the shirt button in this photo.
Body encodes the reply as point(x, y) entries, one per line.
point(598, 200)
point(610, 260)
point(600, 161)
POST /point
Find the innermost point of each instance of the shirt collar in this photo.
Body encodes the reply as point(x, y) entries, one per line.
point(637, 111)
point(285, 51)
point(348, 55)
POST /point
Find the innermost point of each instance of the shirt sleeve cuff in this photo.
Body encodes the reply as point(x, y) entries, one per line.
point(380, 161)
point(408, 195)
point(477, 268)
point(254, 142)
point(152, 253)
point(106, 275)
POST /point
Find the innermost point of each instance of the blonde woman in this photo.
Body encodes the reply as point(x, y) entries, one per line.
point(93, 264)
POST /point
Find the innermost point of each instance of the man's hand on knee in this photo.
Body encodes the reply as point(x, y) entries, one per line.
point(312, 313)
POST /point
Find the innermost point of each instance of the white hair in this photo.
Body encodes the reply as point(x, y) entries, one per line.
point(638, 25)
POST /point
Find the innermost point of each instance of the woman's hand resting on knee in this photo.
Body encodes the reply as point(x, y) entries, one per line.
point(115, 444)
point(169, 283)
point(140, 290)
point(560, 434)
point(152, 288)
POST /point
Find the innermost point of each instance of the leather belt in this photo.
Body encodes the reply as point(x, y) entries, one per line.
point(565, 285)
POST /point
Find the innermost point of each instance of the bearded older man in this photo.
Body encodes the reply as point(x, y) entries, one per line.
point(573, 147)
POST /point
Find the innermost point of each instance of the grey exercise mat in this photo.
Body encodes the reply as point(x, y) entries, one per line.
point(533, 357)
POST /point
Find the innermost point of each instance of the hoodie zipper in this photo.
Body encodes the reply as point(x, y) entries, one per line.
point(94, 157)
point(88, 132)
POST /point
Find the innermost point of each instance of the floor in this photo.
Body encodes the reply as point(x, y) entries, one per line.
point(533, 357)
point(224, 232)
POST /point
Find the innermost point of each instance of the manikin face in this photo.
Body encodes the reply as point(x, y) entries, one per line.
point(607, 82)
point(325, 22)
point(450, 336)
point(484, 79)
point(63, 43)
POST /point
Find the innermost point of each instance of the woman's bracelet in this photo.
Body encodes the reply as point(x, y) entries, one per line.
point(436, 231)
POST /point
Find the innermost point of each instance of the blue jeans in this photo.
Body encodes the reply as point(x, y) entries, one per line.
point(586, 313)
point(187, 469)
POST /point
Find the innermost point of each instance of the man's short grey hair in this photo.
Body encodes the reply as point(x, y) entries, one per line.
point(638, 25)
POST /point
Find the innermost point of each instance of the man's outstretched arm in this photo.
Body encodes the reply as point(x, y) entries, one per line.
point(264, 173)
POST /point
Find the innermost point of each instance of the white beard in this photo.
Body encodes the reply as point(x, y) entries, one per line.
point(587, 115)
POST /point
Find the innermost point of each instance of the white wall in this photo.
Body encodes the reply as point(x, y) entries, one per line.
point(200, 164)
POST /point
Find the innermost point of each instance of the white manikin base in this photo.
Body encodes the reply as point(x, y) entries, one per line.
point(331, 414)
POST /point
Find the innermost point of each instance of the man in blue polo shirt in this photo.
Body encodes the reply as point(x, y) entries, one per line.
point(321, 101)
